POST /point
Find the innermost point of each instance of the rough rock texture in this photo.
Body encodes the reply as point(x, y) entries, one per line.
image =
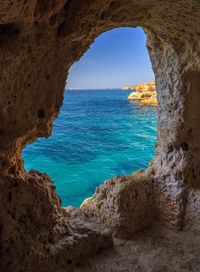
point(146, 98)
point(153, 250)
point(35, 231)
point(138, 96)
point(39, 41)
point(124, 204)
point(143, 87)
point(144, 94)
point(150, 101)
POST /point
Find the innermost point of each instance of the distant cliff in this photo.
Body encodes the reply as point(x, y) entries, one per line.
point(144, 93)
point(131, 87)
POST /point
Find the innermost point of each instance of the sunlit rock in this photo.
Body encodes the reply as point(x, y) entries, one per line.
point(144, 94)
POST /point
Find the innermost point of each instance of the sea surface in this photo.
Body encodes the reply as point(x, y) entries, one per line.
point(99, 134)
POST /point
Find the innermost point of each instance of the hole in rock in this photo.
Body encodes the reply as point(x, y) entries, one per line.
point(185, 146)
point(8, 32)
point(41, 113)
point(99, 133)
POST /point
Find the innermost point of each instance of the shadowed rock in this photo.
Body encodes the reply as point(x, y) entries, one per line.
point(40, 40)
point(125, 204)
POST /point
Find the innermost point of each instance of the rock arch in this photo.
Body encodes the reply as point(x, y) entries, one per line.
point(39, 41)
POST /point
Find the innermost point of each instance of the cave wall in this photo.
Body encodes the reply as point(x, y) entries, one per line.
point(39, 41)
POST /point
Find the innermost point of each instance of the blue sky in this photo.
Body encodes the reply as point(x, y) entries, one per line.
point(116, 58)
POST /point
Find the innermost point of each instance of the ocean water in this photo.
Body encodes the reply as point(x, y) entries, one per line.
point(98, 135)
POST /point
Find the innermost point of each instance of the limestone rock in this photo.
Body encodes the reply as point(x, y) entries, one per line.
point(130, 87)
point(39, 41)
point(139, 96)
point(192, 213)
point(125, 203)
point(145, 87)
point(144, 94)
point(59, 236)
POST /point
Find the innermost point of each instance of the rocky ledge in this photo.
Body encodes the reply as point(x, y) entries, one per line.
point(144, 93)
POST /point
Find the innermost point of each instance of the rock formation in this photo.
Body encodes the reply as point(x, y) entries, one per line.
point(129, 205)
point(128, 87)
point(39, 41)
point(144, 94)
point(143, 87)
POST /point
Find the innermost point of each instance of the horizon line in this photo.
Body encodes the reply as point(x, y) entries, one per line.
point(105, 88)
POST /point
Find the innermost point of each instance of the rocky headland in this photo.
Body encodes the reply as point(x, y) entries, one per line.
point(144, 94)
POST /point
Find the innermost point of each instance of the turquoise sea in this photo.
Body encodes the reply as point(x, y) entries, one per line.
point(98, 135)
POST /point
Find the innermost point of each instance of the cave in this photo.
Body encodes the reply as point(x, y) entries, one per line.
point(158, 208)
point(98, 127)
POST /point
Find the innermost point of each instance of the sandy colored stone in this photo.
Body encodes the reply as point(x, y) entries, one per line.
point(142, 87)
point(154, 250)
point(125, 204)
point(144, 94)
point(39, 41)
point(152, 101)
point(139, 96)
point(34, 226)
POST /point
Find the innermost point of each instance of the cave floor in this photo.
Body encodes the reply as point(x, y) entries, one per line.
point(154, 250)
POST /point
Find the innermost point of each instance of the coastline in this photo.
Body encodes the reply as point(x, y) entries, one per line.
point(144, 93)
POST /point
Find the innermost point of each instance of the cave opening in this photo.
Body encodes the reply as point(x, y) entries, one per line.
point(99, 133)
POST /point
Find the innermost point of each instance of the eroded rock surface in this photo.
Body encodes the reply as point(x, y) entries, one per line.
point(124, 204)
point(144, 94)
point(35, 232)
point(143, 87)
point(154, 250)
point(39, 41)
